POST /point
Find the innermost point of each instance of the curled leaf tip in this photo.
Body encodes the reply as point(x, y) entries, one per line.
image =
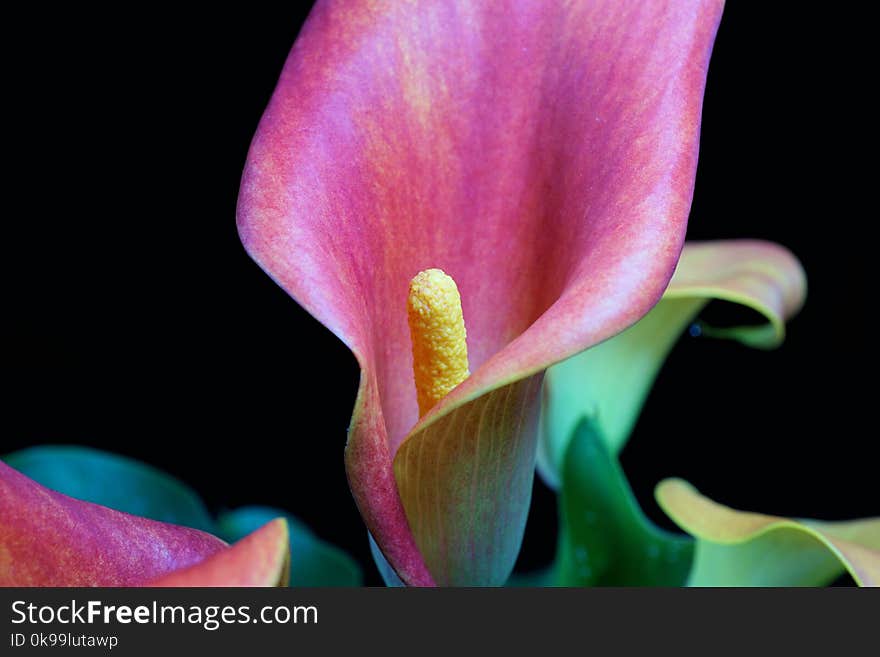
point(739, 548)
point(760, 275)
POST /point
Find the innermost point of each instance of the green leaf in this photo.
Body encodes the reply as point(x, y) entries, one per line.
point(611, 381)
point(737, 548)
point(113, 481)
point(605, 538)
point(313, 562)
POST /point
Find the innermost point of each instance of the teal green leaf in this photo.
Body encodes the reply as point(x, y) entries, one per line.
point(738, 548)
point(610, 382)
point(313, 562)
point(605, 538)
point(113, 481)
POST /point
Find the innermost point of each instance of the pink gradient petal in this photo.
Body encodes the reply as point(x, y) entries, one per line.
point(259, 559)
point(541, 153)
point(49, 539)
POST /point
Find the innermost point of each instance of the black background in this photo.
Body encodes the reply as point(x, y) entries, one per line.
point(134, 321)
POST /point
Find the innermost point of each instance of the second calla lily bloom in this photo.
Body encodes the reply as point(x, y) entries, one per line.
point(50, 539)
point(540, 153)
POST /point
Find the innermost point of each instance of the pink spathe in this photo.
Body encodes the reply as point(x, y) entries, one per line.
point(541, 153)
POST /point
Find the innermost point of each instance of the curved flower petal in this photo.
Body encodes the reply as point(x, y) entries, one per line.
point(610, 381)
point(315, 562)
point(736, 548)
point(49, 539)
point(114, 481)
point(261, 558)
point(542, 154)
point(466, 483)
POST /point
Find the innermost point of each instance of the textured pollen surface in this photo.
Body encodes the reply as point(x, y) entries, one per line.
point(438, 335)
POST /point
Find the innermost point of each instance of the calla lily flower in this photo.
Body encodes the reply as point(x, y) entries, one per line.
point(540, 153)
point(49, 539)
